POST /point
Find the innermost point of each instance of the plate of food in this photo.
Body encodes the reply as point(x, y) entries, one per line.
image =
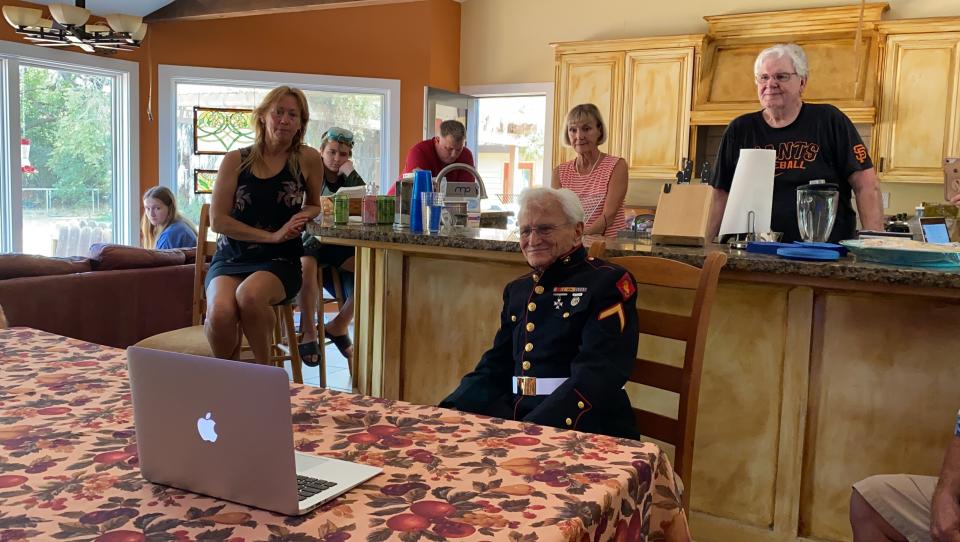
point(897, 251)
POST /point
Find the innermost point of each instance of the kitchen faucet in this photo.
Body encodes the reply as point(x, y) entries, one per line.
point(473, 171)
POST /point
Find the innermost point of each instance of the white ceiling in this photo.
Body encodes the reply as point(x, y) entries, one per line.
point(104, 7)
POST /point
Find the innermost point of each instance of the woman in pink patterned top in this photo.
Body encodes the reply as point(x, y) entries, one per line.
point(598, 178)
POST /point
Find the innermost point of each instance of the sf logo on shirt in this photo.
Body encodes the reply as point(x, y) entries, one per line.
point(860, 152)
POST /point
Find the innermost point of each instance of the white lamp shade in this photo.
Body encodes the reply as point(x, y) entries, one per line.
point(96, 28)
point(69, 15)
point(17, 16)
point(140, 33)
point(128, 24)
point(45, 23)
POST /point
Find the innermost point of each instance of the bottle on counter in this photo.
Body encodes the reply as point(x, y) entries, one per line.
point(914, 223)
point(368, 213)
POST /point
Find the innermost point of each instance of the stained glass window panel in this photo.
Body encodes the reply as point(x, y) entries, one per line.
point(203, 180)
point(220, 130)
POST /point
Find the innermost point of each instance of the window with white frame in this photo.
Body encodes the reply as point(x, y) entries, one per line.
point(67, 178)
point(204, 114)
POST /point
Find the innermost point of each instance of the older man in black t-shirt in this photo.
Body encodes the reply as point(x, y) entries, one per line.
point(812, 141)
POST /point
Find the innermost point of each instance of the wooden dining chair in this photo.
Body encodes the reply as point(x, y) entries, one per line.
point(692, 330)
point(192, 340)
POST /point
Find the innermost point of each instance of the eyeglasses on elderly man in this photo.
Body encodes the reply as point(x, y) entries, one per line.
point(782, 77)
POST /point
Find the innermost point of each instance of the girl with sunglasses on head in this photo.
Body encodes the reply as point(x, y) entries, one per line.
point(336, 149)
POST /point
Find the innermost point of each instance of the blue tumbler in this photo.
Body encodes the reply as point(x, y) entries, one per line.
point(422, 182)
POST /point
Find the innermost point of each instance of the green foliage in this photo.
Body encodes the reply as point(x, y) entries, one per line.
point(67, 118)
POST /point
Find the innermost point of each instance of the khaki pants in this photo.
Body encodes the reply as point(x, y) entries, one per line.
point(903, 500)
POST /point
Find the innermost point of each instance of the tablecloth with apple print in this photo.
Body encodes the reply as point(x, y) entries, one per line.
point(68, 468)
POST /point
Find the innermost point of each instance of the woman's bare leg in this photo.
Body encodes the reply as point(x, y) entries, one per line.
point(256, 296)
point(222, 326)
point(308, 298)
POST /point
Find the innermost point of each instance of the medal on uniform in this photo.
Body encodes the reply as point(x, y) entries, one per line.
point(575, 301)
point(558, 303)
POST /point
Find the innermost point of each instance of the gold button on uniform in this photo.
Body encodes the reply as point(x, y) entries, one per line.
point(526, 365)
point(568, 421)
point(531, 306)
point(538, 290)
point(580, 404)
point(528, 347)
point(513, 317)
point(566, 315)
point(530, 326)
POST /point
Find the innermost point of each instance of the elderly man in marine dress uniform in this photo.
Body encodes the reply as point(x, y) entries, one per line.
point(568, 331)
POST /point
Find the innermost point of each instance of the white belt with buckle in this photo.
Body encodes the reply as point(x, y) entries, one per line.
point(531, 385)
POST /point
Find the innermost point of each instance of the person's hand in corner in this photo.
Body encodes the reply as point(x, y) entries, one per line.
point(956, 199)
point(944, 517)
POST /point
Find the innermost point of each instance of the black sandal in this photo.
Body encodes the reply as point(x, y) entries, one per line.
point(312, 349)
point(342, 342)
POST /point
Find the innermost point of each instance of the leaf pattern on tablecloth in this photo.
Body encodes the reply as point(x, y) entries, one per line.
point(69, 468)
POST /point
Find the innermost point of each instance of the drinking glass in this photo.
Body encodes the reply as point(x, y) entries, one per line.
point(341, 208)
point(432, 211)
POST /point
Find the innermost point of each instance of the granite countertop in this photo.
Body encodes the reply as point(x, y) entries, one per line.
point(847, 268)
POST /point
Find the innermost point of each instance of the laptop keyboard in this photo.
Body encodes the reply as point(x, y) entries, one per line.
point(308, 487)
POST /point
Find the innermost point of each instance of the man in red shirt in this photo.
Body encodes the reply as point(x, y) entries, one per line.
point(439, 152)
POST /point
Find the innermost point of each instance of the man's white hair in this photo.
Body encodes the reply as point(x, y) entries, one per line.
point(790, 50)
point(568, 200)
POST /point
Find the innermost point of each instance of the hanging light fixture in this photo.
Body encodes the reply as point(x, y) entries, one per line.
point(68, 28)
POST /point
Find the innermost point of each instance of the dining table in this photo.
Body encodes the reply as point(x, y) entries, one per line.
point(69, 467)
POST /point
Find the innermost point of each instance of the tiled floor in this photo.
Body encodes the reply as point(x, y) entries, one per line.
point(338, 372)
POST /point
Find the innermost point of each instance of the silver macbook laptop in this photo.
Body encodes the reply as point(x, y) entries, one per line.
point(223, 428)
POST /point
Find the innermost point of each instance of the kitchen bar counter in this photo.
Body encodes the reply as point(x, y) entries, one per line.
point(739, 261)
point(815, 374)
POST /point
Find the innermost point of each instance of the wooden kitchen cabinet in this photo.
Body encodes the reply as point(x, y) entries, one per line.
point(644, 89)
point(919, 121)
point(656, 114)
point(597, 78)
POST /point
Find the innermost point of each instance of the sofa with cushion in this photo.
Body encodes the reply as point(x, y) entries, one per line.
point(116, 296)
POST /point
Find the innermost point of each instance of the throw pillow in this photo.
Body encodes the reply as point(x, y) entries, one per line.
point(108, 257)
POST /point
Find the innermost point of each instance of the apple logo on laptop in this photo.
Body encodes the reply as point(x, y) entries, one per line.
point(205, 428)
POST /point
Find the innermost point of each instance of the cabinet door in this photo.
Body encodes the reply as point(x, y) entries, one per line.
point(656, 112)
point(919, 123)
point(595, 78)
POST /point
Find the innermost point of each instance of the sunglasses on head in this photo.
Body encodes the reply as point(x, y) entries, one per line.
point(340, 135)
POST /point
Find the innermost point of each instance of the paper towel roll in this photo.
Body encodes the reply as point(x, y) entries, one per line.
point(751, 190)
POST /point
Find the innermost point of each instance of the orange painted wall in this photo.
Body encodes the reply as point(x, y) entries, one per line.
point(416, 42)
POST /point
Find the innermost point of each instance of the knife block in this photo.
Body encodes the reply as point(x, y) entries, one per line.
point(682, 214)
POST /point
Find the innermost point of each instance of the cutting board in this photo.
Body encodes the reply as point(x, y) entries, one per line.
point(682, 214)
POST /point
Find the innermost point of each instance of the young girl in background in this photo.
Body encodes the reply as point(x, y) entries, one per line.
point(162, 226)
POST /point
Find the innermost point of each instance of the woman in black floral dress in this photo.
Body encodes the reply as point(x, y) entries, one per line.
point(262, 198)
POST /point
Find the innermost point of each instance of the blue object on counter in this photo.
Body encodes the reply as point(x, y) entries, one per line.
point(766, 247)
point(422, 182)
point(809, 254)
point(903, 255)
point(826, 246)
